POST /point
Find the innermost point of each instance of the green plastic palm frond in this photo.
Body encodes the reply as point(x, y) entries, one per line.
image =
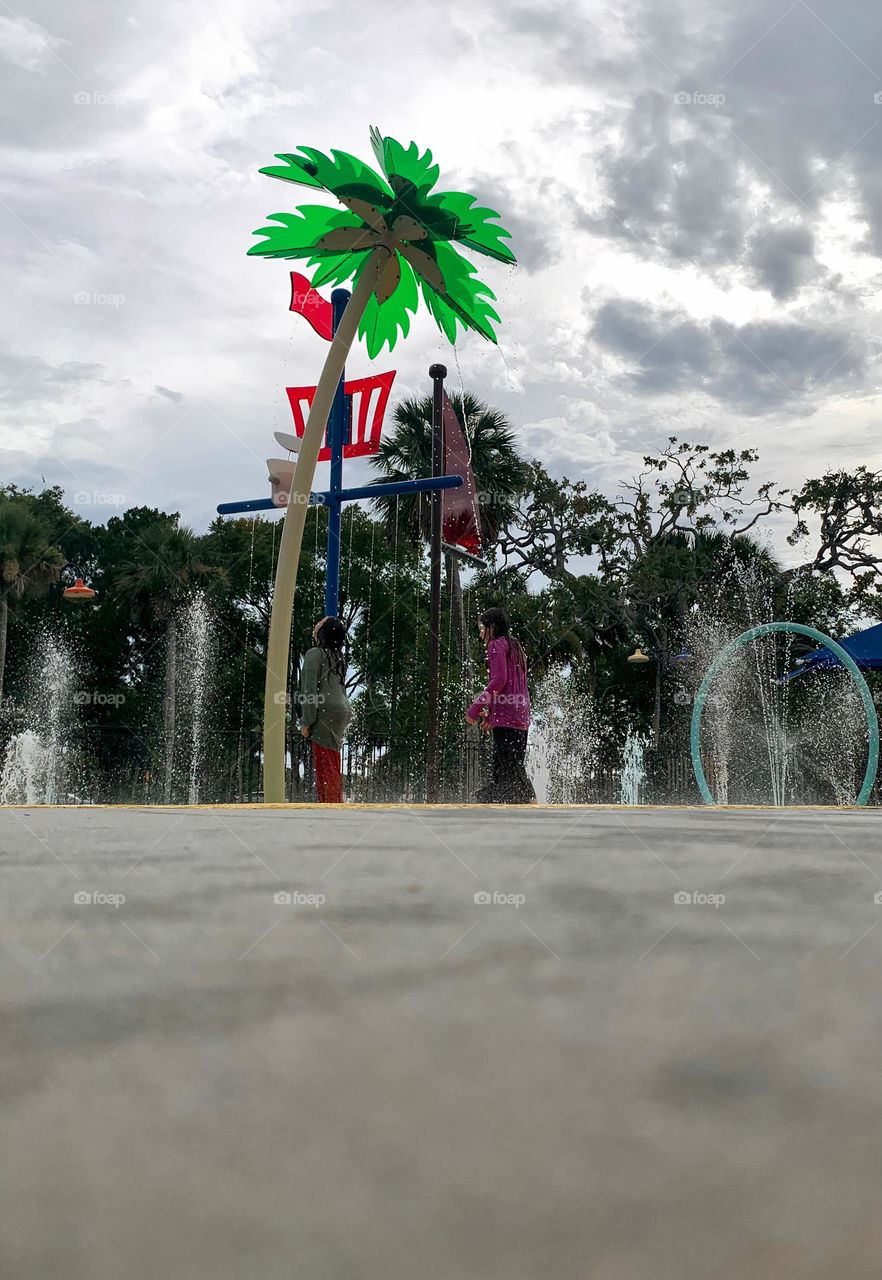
point(333, 269)
point(404, 166)
point(473, 226)
point(297, 233)
point(444, 318)
point(382, 322)
point(465, 297)
point(340, 173)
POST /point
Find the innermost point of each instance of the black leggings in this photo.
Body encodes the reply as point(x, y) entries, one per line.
point(508, 783)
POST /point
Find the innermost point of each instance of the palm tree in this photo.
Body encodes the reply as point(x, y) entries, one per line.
point(500, 477)
point(395, 239)
point(164, 568)
point(29, 561)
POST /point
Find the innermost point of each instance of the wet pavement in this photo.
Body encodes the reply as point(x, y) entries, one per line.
point(453, 1044)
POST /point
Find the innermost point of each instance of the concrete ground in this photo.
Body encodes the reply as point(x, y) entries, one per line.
point(472, 1044)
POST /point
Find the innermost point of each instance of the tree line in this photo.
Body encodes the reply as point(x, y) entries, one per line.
point(586, 577)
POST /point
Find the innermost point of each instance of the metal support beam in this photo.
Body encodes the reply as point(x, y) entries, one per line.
point(345, 495)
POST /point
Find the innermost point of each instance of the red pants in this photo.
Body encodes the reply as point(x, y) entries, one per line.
point(328, 782)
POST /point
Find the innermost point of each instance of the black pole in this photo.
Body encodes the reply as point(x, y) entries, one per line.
point(437, 372)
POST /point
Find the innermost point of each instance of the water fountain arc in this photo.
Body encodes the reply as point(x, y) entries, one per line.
point(794, 628)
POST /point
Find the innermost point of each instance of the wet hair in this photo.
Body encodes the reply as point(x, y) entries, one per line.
point(331, 636)
point(498, 620)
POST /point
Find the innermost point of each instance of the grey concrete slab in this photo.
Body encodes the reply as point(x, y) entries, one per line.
point(473, 1043)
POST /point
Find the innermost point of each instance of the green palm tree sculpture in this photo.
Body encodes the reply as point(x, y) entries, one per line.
point(394, 238)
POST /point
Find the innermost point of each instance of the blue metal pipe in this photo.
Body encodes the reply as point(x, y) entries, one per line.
point(345, 495)
point(249, 504)
point(402, 486)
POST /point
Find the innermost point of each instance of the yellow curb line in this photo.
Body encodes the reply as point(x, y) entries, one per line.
point(393, 805)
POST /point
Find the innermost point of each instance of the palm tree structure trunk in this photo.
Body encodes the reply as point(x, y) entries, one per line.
point(276, 688)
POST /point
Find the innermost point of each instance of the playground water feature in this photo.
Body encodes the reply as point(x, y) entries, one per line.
point(633, 775)
point(571, 752)
point(562, 752)
point(765, 739)
point(41, 765)
point(184, 740)
point(43, 762)
point(192, 694)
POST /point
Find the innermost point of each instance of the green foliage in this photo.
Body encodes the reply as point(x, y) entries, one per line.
point(848, 509)
point(634, 568)
point(160, 567)
point(28, 560)
point(584, 576)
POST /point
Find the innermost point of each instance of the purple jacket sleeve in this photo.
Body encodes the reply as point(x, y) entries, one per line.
point(497, 654)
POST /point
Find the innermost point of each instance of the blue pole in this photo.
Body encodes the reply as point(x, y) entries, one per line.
point(336, 420)
point(427, 484)
point(345, 495)
point(247, 504)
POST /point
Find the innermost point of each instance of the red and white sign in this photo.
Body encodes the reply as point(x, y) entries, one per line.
point(369, 397)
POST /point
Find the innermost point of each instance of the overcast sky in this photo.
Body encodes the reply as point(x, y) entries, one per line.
point(694, 190)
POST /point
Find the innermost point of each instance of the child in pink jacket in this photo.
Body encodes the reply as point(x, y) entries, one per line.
point(504, 709)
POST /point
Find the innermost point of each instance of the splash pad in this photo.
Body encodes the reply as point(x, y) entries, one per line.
point(794, 628)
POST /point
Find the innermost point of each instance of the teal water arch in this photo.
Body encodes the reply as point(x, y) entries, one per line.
point(794, 628)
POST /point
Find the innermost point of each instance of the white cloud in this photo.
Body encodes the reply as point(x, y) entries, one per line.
point(552, 114)
point(26, 44)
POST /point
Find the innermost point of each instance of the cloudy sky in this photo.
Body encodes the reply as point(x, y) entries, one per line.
point(694, 191)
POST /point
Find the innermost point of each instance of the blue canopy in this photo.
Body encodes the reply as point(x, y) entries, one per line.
point(865, 647)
